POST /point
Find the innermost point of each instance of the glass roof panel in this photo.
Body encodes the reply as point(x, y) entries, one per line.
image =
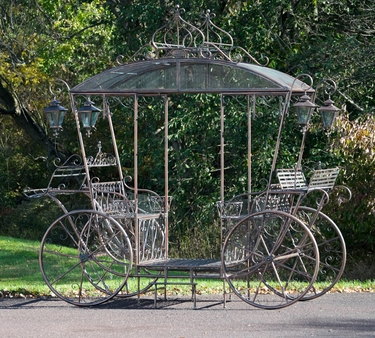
point(188, 75)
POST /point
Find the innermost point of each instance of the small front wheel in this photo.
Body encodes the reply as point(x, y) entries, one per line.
point(270, 259)
point(85, 257)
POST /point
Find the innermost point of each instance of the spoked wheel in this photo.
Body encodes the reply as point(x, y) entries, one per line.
point(270, 259)
point(332, 250)
point(85, 257)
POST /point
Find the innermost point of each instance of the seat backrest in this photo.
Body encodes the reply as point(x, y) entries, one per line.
point(324, 178)
point(110, 198)
point(230, 209)
point(291, 179)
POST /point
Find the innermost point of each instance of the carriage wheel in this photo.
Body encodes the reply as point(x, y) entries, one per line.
point(270, 259)
point(85, 257)
point(332, 250)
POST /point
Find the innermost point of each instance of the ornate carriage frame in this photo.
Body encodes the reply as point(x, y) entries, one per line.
point(129, 225)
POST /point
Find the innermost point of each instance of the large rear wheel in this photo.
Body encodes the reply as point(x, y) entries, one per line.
point(270, 259)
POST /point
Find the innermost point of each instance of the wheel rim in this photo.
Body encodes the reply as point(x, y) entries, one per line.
point(270, 259)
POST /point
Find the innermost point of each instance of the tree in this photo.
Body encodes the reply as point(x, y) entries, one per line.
point(43, 39)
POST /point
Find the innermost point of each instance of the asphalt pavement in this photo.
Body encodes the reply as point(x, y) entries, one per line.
point(332, 315)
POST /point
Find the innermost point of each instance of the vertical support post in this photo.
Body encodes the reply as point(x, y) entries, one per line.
point(193, 288)
point(109, 117)
point(222, 162)
point(82, 145)
point(166, 175)
point(249, 144)
point(137, 272)
point(222, 158)
point(299, 162)
point(136, 225)
point(277, 147)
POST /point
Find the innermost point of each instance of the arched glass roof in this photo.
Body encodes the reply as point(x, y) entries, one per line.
point(189, 75)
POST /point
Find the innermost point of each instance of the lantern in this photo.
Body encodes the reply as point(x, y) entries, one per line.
point(328, 113)
point(55, 115)
point(88, 115)
point(304, 107)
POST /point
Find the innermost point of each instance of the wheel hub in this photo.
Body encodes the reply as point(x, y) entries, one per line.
point(84, 257)
point(268, 259)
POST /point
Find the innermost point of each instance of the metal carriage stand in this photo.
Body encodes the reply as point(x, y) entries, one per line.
point(273, 246)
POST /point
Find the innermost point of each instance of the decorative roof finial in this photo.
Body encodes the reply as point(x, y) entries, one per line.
point(177, 34)
point(180, 39)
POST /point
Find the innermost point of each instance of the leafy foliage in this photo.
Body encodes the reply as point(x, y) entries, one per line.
point(355, 147)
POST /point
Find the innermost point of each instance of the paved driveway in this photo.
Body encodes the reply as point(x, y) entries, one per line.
point(332, 315)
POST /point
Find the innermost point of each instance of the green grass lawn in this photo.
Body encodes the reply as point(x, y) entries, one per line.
point(20, 274)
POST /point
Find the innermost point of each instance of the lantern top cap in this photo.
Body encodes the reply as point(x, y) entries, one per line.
point(88, 106)
point(328, 106)
point(55, 106)
point(304, 102)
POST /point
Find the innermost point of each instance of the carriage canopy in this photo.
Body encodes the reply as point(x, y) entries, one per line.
point(186, 75)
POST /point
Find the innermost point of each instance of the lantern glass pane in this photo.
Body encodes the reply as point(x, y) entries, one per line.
point(328, 117)
point(55, 118)
point(85, 119)
point(88, 118)
point(94, 117)
point(61, 118)
point(303, 115)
